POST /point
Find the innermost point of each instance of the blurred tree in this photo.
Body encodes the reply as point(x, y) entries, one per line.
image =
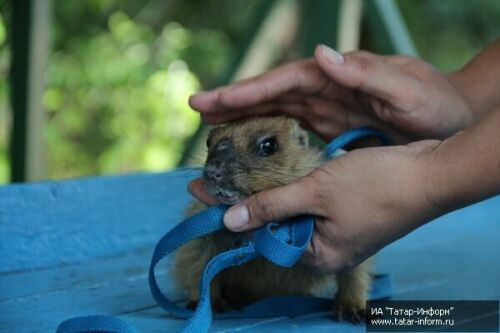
point(117, 101)
point(4, 101)
point(118, 82)
point(448, 33)
point(120, 72)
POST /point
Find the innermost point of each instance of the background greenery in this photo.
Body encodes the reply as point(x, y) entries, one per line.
point(120, 72)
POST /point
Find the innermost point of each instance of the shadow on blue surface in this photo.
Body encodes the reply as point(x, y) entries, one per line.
point(83, 246)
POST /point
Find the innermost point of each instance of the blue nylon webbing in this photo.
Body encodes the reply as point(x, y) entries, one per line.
point(283, 244)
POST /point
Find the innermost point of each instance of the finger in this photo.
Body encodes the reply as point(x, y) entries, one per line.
point(364, 71)
point(425, 144)
point(272, 205)
point(205, 100)
point(197, 189)
point(322, 256)
point(299, 76)
point(215, 118)
point(295, 110)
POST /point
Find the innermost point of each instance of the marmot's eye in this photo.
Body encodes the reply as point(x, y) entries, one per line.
point(267, 146)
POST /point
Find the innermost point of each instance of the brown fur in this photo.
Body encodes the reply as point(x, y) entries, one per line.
point(236, 287)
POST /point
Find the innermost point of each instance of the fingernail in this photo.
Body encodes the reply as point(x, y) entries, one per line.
point(236, 217)
point(193, 95)
point(331, 55)
point(197, 96)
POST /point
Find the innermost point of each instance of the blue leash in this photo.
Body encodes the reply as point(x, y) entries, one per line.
point(282, 244)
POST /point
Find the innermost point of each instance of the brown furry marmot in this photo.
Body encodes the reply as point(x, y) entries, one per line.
point(244, 158)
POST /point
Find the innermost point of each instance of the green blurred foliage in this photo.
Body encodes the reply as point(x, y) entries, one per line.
point(123, 105)
point(447, 33)
point(4, 101)
point(120, 72)
point(117, 91)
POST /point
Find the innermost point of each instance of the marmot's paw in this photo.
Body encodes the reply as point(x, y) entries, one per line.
point(218, 305)
point(353, 314)
point(222, 305)
point(192, 304)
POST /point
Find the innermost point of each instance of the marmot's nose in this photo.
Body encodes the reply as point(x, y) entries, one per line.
point(213, 173)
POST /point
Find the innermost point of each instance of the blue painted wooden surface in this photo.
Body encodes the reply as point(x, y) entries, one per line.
point(83, 246)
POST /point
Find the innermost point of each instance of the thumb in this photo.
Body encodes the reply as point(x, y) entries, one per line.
point(363, 71)
point(272, 205)
point(197, 189)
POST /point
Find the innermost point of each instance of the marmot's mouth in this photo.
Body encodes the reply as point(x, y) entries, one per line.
point(225, 196)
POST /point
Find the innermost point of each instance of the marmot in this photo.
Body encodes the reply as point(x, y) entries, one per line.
point(246, 157)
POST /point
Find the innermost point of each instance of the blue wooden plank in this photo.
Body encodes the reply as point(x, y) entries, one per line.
point(313, 323)
point(154, 321)
point(58, 279)
point(454, 257)
point(53, 223)
point(46, 311)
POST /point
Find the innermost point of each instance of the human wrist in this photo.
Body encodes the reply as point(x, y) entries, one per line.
point(466, 165)
point(432, 196)
point(460, 81)
point(478, 82)
point(453, 172)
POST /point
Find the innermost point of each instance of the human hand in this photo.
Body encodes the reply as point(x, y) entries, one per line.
point(362, 201)
point(330, 93)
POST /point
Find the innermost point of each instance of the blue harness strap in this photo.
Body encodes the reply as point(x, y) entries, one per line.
point(282, 244)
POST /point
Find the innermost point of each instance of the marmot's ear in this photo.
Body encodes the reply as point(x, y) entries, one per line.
point(299, 134)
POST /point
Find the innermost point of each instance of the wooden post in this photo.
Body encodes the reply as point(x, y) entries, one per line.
point(387, 30)
point(30, 35)
point(320, 20)
point(349, 25)
point(319, 24)
point(395, 27)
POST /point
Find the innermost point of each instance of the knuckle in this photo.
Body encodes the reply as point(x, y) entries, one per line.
point(324, 259)
point(401, 60)
point(317, 177)
point(316, 189)
point(221, 99)
point(413, 98)
point(264, 208)
point(361, 54)
point(364, 64)
point(321, 175)
point(363, 60)
point(322, 198)
point(363, 67)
